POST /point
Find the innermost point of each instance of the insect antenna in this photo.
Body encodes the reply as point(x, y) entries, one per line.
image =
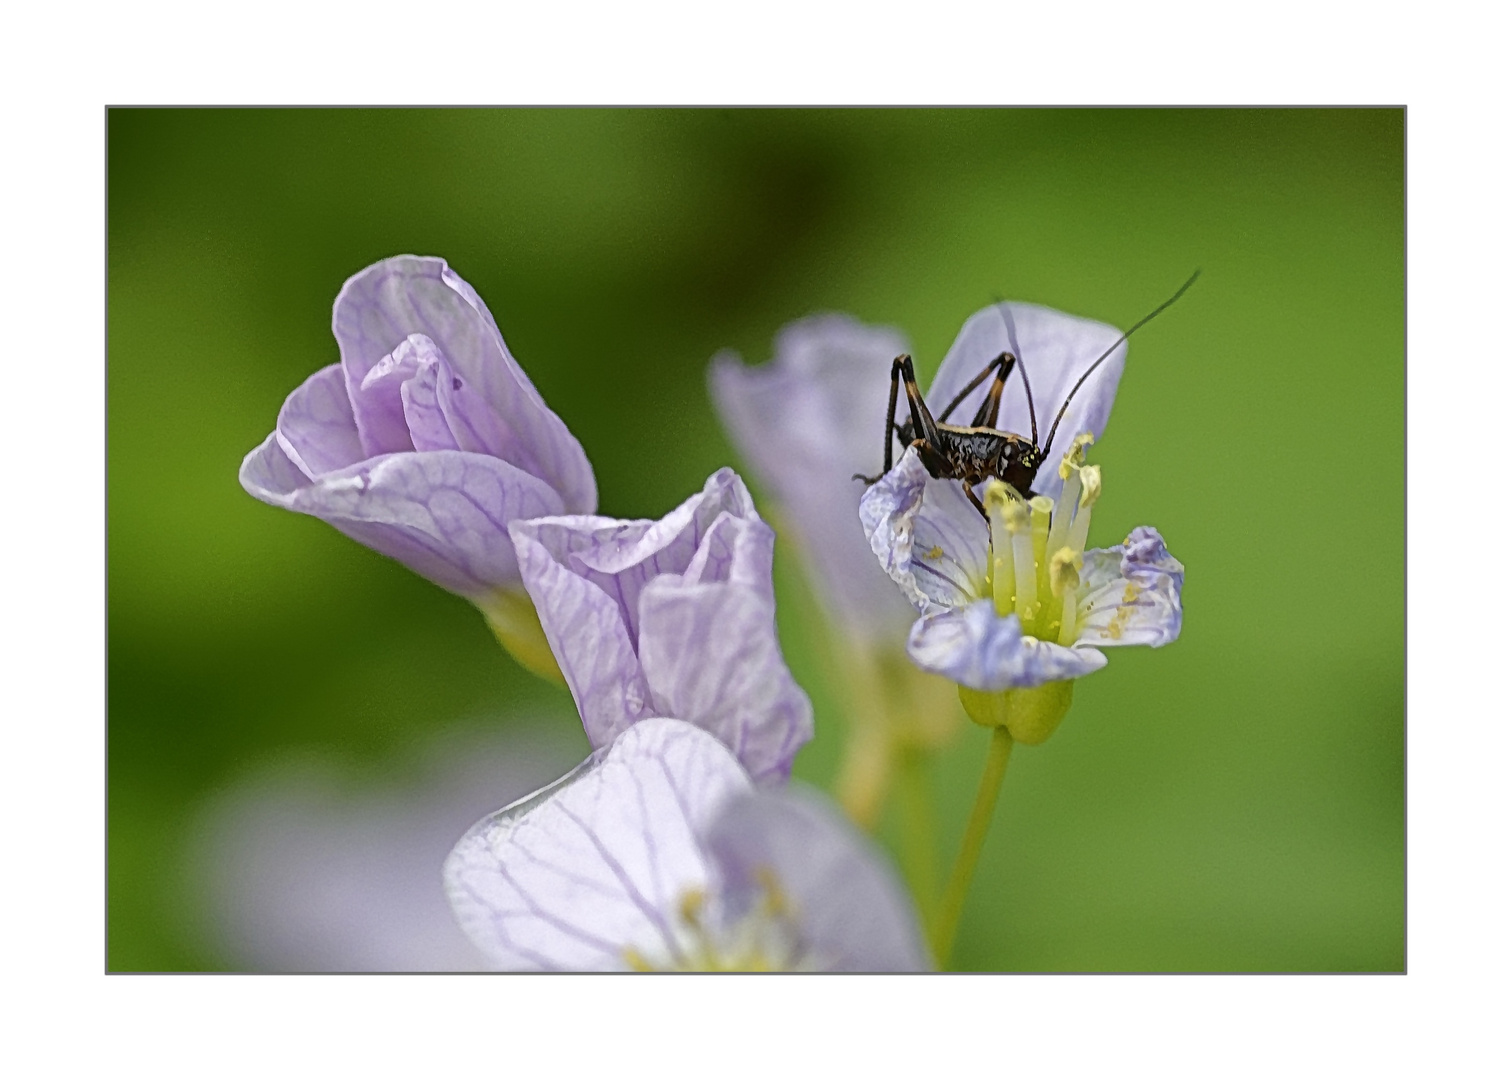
point(1065, 404)
point(1002, 307)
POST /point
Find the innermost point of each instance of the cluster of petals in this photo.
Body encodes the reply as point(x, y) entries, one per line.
point(658, 853)
point(936, 546)
point(674, 617)
point(427, 439)
point(678, 844)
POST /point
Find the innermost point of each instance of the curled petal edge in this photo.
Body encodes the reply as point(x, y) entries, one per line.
point(975, 648)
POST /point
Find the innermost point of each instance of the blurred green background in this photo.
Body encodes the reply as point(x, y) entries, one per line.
point(1232, 802)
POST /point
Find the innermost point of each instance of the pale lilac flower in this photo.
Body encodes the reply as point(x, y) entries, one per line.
point(1016, 601)
point(426, 440)
point(670, 617)
point(310, 864)
point(806, 423)
point(659, 854)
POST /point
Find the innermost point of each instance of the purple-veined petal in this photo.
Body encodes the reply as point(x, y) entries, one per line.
point(1131, 594)
point(702, 576)
point(378, 402)
point(423, 416)
point(976, 648)
point(382, 305)
point(1055, 350)
point(927, 536)
point(269, 474)
point(851, 911)
point(710, 656)
point(583, 872)
point(587, 631)
point(619, 557)
point(315, 425)
point(443, 514)
point(807, 423)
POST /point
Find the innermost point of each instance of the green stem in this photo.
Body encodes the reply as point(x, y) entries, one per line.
point(954, 900)
point(918, 829)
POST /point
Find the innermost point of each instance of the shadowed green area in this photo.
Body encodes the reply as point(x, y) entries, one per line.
point(1232, 802)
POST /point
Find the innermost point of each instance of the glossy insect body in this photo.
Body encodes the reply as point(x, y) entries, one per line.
point(979, 451)
point(970, 454)
point(976, 454)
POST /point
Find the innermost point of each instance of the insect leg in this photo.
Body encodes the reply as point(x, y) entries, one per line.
point(902, 368)
point(976, 502)
point(976, 382)
point(923, 420)
point(987, 415)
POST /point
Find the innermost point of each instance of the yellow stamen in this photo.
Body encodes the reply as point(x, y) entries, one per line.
point(1091, 488)
point(1091, 478)
point(1065, 505)
point(1040, 508)
point(1065, 571)
point(1073, 458)
point(1021, 539)
point(1000, 499)
point(690, 906)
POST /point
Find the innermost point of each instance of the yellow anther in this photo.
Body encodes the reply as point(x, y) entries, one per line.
point(1065, 571)
point(773, 900)
point(690, 906)
point(935, 552)
point(997, 494)
point(1073, 458)
point(1015, 513)
point(1091, 479)
point(636, 961)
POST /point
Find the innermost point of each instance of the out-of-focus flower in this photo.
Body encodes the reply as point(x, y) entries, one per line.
point(671, 617)
point(806, 423)
point(426, 441)
point(1014, 607)
point(308, 865)
point(657, 853)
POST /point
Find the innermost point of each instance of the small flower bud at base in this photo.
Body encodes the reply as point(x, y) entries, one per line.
point(513, 619)
point(1031, 715)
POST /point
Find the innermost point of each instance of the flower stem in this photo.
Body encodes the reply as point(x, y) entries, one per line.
point(954, 900)
point(918, 828)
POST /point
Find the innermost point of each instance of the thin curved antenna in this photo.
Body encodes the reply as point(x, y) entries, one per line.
point(1000, 304)
point(1065, 404)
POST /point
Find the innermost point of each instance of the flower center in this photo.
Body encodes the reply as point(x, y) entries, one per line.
point(765, 938)
point(1037, 545)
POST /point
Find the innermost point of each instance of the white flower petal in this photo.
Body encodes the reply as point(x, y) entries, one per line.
point(927, 535)
point(852, 913)
point(1132, 593)
point(580, 873)
point(975, 648)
